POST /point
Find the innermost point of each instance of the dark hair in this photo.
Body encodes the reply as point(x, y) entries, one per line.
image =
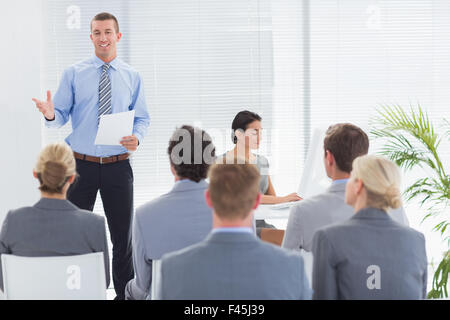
point(184, 152)
point(241, 121)
point(346, 142)
point(105, 16)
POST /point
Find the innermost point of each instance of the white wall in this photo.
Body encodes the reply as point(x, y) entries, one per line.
point(20, 123)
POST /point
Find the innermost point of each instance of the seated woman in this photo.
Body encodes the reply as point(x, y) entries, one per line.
point(370, 256)
point(246, 136)
point(54, 226)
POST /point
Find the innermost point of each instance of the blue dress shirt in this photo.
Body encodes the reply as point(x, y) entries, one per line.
point(78, 97)
point(234, 229)
point(339, 181)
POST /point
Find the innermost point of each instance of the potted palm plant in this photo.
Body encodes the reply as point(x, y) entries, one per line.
point(411, 140)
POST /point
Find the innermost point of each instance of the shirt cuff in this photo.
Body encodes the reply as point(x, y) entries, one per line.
point(138, 136)
point(54, 123)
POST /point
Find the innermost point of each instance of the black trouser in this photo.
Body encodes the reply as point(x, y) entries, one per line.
point(115, 182)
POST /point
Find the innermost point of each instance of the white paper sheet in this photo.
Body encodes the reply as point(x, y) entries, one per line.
point(113, 127)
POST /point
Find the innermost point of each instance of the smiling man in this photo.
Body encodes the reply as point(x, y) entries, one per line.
point(100, 85)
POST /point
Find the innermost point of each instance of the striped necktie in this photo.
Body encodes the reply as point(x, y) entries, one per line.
point(104, 89)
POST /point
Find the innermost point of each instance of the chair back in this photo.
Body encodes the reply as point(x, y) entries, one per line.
point(156, 272)
point(77, 277)
point(308, 260)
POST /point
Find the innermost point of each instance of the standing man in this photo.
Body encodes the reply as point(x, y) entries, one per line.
point(100, 85)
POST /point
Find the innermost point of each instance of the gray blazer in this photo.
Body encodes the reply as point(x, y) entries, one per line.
point(309, 215)
point(232, 266)
point(370, 256)
point(53, 227)
point(171, 222)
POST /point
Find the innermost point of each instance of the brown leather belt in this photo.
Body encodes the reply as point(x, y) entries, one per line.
point(101, 160)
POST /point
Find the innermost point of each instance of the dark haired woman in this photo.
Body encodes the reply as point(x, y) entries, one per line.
point(246, 135)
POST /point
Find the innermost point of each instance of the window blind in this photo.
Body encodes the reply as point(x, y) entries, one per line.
point(367, 53)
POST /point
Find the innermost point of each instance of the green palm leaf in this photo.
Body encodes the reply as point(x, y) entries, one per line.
point(411, 141)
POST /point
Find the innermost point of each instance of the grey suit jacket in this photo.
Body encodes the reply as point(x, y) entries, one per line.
point(231, 266)
point(308, 215)
point(53, 227)
point(369, 256)
point(171, 222)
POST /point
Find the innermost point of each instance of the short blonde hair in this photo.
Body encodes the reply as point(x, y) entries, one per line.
point(55, 165)
point(381, 179)
point(233, 189)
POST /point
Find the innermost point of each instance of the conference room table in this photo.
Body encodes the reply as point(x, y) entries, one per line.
point(269, 211)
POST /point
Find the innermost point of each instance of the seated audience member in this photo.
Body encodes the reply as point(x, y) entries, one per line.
point(246, 136)
point(231, 263)
point(178, 218)
point(342, 144)
point(370, 256)
point(54, 226)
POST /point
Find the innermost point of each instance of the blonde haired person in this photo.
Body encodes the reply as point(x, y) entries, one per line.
point(54, 226)
point(370, 256)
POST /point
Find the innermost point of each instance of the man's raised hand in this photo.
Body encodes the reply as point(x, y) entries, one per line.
point(46, 107)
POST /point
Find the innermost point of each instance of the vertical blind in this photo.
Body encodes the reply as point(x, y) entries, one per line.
point(299, 64)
